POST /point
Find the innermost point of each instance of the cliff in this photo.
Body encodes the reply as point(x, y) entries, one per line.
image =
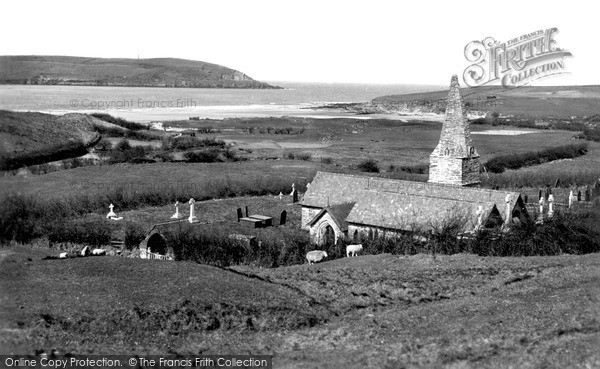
point(158, 72)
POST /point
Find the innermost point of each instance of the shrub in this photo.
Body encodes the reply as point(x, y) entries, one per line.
point(368, 165)
point(134, 234)
point(304, 156)
point(93, 232)
point(204, 156)
point(326, 160)
point(516, 161)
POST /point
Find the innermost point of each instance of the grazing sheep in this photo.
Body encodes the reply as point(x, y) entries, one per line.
point(62, 255)
point(315, 256)
point(353, 249)
point(98, 252)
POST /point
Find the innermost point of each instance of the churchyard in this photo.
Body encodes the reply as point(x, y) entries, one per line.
point(406, 298)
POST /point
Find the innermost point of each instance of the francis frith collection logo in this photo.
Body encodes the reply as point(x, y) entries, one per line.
point(516, 62)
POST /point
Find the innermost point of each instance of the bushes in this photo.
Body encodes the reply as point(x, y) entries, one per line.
point(134, 234)
point(93, 232)
point(298, 156)
point(188, 142)
point(214, 246)
point(123, 152)
point(516, 161)
point(368, 165)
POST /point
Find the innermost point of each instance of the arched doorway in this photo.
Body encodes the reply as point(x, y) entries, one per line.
point(327, 236)
point(157, 244)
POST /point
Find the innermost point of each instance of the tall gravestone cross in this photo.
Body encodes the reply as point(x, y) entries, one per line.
point(541, 216)
point(550, 206)
point(192, 217)
point(280, 195)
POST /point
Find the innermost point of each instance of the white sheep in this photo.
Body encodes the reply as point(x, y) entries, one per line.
point(98, 252)
point(315, 256)
point(62, 255)
point(353, 249)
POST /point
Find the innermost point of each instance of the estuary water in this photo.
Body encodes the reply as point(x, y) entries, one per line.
point(146, 104)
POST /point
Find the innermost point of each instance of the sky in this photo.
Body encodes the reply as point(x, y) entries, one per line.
point(374, 41)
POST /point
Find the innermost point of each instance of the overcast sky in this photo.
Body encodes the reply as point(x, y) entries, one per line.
point(374, 41)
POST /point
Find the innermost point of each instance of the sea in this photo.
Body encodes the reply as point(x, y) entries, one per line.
point(155, 104)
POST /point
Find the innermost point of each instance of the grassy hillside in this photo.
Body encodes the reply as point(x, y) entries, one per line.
point(542, 101)
point(157, 72)
point(365, 312)
point(34, 138)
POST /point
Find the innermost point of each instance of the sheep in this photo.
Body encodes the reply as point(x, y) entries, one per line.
point(98, 252)
point(62, 255)
point(353, 249)
point(315, 256)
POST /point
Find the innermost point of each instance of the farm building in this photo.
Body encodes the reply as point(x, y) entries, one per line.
point(340, 206)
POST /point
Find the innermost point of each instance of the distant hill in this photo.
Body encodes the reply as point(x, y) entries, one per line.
point(158, 72)
point(35, 138)
point(559, 101)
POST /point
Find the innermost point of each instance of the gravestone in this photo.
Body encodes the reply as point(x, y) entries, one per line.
point(176, 215)
point(588, 196)
point(111, 213)
point(550, 206)
point(192, 217)
point(281, 196)
point(247, 213)
point(578, 195)
point(540, 194)
point(239, 214)
point(294, 194)
point(571, 198)
point(282, 218)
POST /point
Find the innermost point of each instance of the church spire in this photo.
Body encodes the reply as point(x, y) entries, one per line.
point(454, 160)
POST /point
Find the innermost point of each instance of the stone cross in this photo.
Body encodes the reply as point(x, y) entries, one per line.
point(541, 207)
point(550, 206)
point(176, 215)
point(111, 214)
point(280, 195)
point(293, 188)
point(192, 217)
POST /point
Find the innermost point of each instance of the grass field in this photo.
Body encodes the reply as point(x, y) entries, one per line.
point(370, 311)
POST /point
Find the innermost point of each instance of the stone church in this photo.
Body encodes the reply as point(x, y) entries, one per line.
point(342, 206)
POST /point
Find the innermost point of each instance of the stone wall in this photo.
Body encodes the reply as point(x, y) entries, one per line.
point(307, 215)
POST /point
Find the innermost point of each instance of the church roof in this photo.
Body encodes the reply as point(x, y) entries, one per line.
point(401, 204)
point(328, 189)
point(413, 212)
point(338, 213)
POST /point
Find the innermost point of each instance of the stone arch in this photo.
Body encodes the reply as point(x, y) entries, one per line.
point(157, 244)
